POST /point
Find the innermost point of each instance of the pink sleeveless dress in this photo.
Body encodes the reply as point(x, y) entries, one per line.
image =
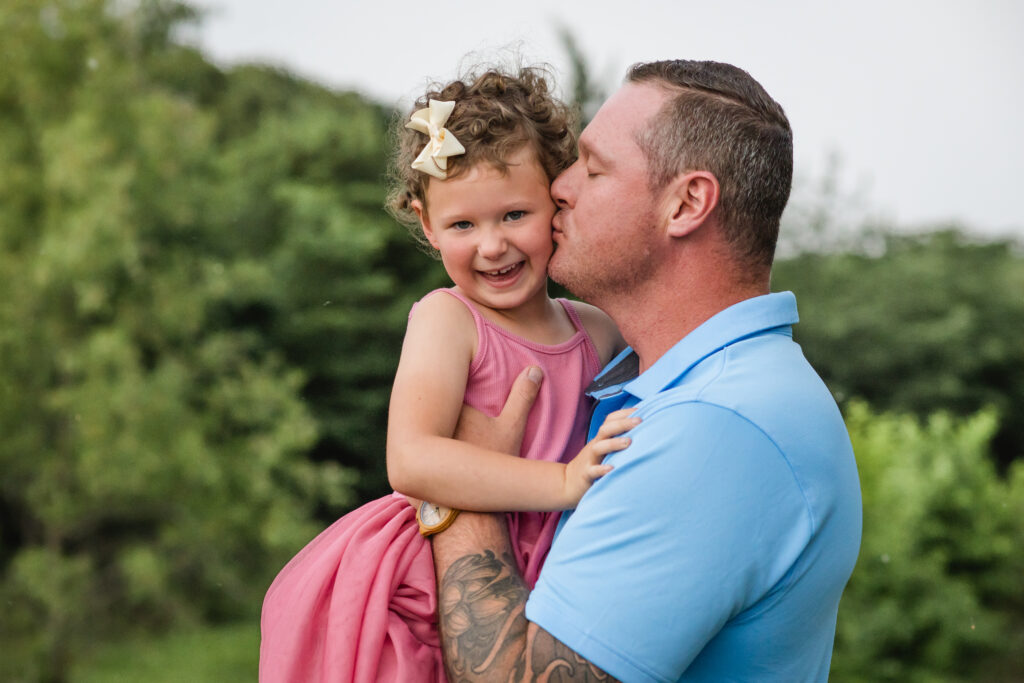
point(359, 602)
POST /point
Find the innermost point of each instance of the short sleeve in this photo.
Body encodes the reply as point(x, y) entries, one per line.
point(700, 518)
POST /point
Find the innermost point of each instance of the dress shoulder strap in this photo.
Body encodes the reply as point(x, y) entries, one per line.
point(574, 316)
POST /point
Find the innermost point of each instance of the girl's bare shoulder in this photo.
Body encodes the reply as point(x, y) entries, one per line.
point(441, 319)
point(602, 330)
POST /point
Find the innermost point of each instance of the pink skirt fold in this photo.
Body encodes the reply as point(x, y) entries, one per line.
point(359, 602)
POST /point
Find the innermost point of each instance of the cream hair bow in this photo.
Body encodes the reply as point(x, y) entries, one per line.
point(430, 121)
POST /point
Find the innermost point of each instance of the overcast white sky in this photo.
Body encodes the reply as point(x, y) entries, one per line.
point(923, 100)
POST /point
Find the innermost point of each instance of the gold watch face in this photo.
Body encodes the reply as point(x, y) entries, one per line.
point(431, 515)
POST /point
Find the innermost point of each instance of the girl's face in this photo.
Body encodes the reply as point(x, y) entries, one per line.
point(493, 230)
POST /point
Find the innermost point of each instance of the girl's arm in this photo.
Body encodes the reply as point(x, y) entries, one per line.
point(423, 459)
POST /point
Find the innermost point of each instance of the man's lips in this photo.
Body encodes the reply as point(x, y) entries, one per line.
point(556, 221)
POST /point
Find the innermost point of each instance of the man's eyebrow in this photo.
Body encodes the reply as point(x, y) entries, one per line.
point(589, 152)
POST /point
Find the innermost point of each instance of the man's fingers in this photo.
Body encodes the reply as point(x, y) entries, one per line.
point(474, 427)
point(523, 394)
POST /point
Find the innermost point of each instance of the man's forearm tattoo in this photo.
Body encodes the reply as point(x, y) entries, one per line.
point(485, 631)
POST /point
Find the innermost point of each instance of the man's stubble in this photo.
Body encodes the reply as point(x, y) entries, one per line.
point(606, 270)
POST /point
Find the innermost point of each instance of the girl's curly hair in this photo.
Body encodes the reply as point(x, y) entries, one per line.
point(495, 114)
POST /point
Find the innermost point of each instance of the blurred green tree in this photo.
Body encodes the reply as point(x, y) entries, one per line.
point(936, 592)
point(202, 310)
point(325, 276)
point(586, 92)
point(200, 290)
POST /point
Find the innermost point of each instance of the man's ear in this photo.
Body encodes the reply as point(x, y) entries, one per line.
point(421, 213)
point(690, 199)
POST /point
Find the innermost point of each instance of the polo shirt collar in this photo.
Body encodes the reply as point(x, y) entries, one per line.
point(744, 319)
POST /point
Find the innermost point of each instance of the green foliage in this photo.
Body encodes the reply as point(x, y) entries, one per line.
point(202, 311)
point(922, 323)
point(936, 592)
point(219, 654)
point(585, 93)
point(321, 274)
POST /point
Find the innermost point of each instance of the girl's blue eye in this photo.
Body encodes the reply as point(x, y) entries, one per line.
point(462, 225)
point(514, 215)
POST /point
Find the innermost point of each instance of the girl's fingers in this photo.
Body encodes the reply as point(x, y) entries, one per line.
point(611, 427)
point(602, 447)
point(598, 471)
point(619, 414)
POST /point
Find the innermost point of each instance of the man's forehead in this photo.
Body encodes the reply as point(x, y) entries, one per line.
point(624, 113)
point(637, 101)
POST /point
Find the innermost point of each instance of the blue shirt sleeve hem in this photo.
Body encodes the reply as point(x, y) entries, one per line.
point(549, 617)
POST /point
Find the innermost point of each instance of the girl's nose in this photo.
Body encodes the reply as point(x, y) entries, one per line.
point(492, 243)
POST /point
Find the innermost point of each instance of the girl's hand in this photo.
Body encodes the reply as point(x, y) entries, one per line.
point(587, 467)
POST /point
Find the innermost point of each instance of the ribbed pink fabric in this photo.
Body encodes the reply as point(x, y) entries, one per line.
point(359, 602)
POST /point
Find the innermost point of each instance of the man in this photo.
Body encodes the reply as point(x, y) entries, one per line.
point(718, 547)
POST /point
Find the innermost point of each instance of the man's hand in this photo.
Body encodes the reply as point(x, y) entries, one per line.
point(503, 433)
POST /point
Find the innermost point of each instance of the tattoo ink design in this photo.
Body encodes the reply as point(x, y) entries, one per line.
point(484, 629)
point(481, 598)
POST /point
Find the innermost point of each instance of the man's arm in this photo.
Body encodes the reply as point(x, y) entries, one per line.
point(485, 635)
point(484, 632)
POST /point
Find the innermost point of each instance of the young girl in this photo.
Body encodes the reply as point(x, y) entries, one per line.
point(474, 167)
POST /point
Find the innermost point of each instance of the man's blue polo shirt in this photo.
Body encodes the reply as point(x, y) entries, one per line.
point(718, 547)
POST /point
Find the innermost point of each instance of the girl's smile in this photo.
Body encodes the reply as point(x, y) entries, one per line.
point(504, 276)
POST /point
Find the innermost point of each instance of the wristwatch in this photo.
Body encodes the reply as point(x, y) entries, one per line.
point(434, 519)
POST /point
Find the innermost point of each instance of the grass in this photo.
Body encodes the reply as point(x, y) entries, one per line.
point(221, 654)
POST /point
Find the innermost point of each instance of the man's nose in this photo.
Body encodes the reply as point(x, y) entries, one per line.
point(561, 187)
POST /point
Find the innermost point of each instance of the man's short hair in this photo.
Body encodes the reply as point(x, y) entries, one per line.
point(721, 120)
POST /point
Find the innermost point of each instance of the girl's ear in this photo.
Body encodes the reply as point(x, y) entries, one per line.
point(421, 213)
